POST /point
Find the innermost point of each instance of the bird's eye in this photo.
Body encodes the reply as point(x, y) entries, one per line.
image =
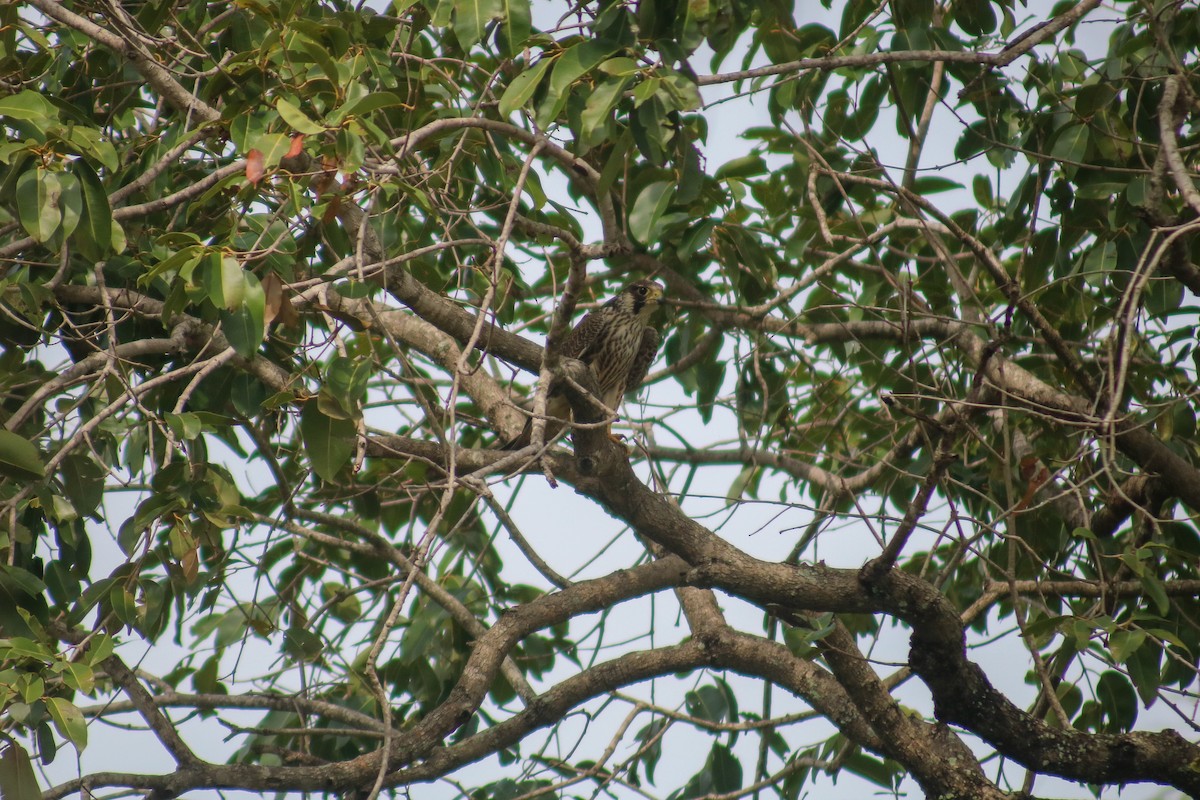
point(641, 290)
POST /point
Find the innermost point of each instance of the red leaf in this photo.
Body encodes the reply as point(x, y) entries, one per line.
point(279, 307)
point(254, 166)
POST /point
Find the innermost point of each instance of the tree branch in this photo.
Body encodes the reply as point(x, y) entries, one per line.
point(939, 760)
point(1168, 123)
point(962, 693)
point(1020, 46)
point(155, 719)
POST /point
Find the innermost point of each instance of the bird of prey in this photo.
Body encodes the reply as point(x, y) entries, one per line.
point(617, 342)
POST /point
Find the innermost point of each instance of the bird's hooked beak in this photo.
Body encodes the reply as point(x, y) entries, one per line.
point(652, 301)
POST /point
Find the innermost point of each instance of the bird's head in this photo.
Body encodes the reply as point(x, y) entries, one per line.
point(641, 298)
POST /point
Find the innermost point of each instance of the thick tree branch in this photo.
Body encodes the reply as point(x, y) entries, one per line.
point(426, 737)
point(940, 762)
point(962, 693)
point(150, 711)
point(492, 398)
point(437, 309)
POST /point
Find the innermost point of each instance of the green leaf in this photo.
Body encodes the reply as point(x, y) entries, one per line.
point(297, 119)
point(248, 394)
point(1137, 191)
point(92, 143)
point(881, 773)
point(21, 647)
point(185, 426)
point(648, 209)
point(471, 18)
point(743, 167)
point(931, 184)
point(29, 106)
point(302, 644)
point(621, 67)
point(19, 458)
point(976, 17)
point(69, 721)
point(38, 193)
point(1145, 670)
point(181, 263)
point(47, 745)
point(100, 649)
point(17, 778)
point(599, 104)
point(679, 92)
point(64, 588)
point(651, 738)
point(1156, 592)
point(94, 235)
point(1123, 644)
point(725, 768)
point(346, 609)
point(981, 189)
point(707, 703)
point(1099, 262)
point(346, 383)
point(123, 605)
point(518, 25)
point(709, 376)
point(745, 478)
point(116, 238)
point(572, 65)
point(366, 104)
point(152, 612)
point(78, 676)
point(1118, 700)
point(19, 590)
point(245, 326)
point(698, 13)
point(328, 442)
point(652, 131)
point(975, 139)
point(522, 87)
point(224, 280)
point(273, 147)
point(1071, 144)
point(615, 164)
point(71, 203)
point(646, 90)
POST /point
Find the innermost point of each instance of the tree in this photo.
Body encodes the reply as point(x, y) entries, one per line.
point(275, 280)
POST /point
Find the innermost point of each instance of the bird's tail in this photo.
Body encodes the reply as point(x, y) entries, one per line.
point(522, 439)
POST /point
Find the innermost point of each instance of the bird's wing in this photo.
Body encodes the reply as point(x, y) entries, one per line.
point(584, 340)
point(644, 358)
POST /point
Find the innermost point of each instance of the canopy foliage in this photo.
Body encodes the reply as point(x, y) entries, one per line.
point(276, 277)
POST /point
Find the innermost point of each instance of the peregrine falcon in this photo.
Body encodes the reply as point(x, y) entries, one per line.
point(617, 343)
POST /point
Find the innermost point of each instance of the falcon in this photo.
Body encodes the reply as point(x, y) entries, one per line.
point(618, 345)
